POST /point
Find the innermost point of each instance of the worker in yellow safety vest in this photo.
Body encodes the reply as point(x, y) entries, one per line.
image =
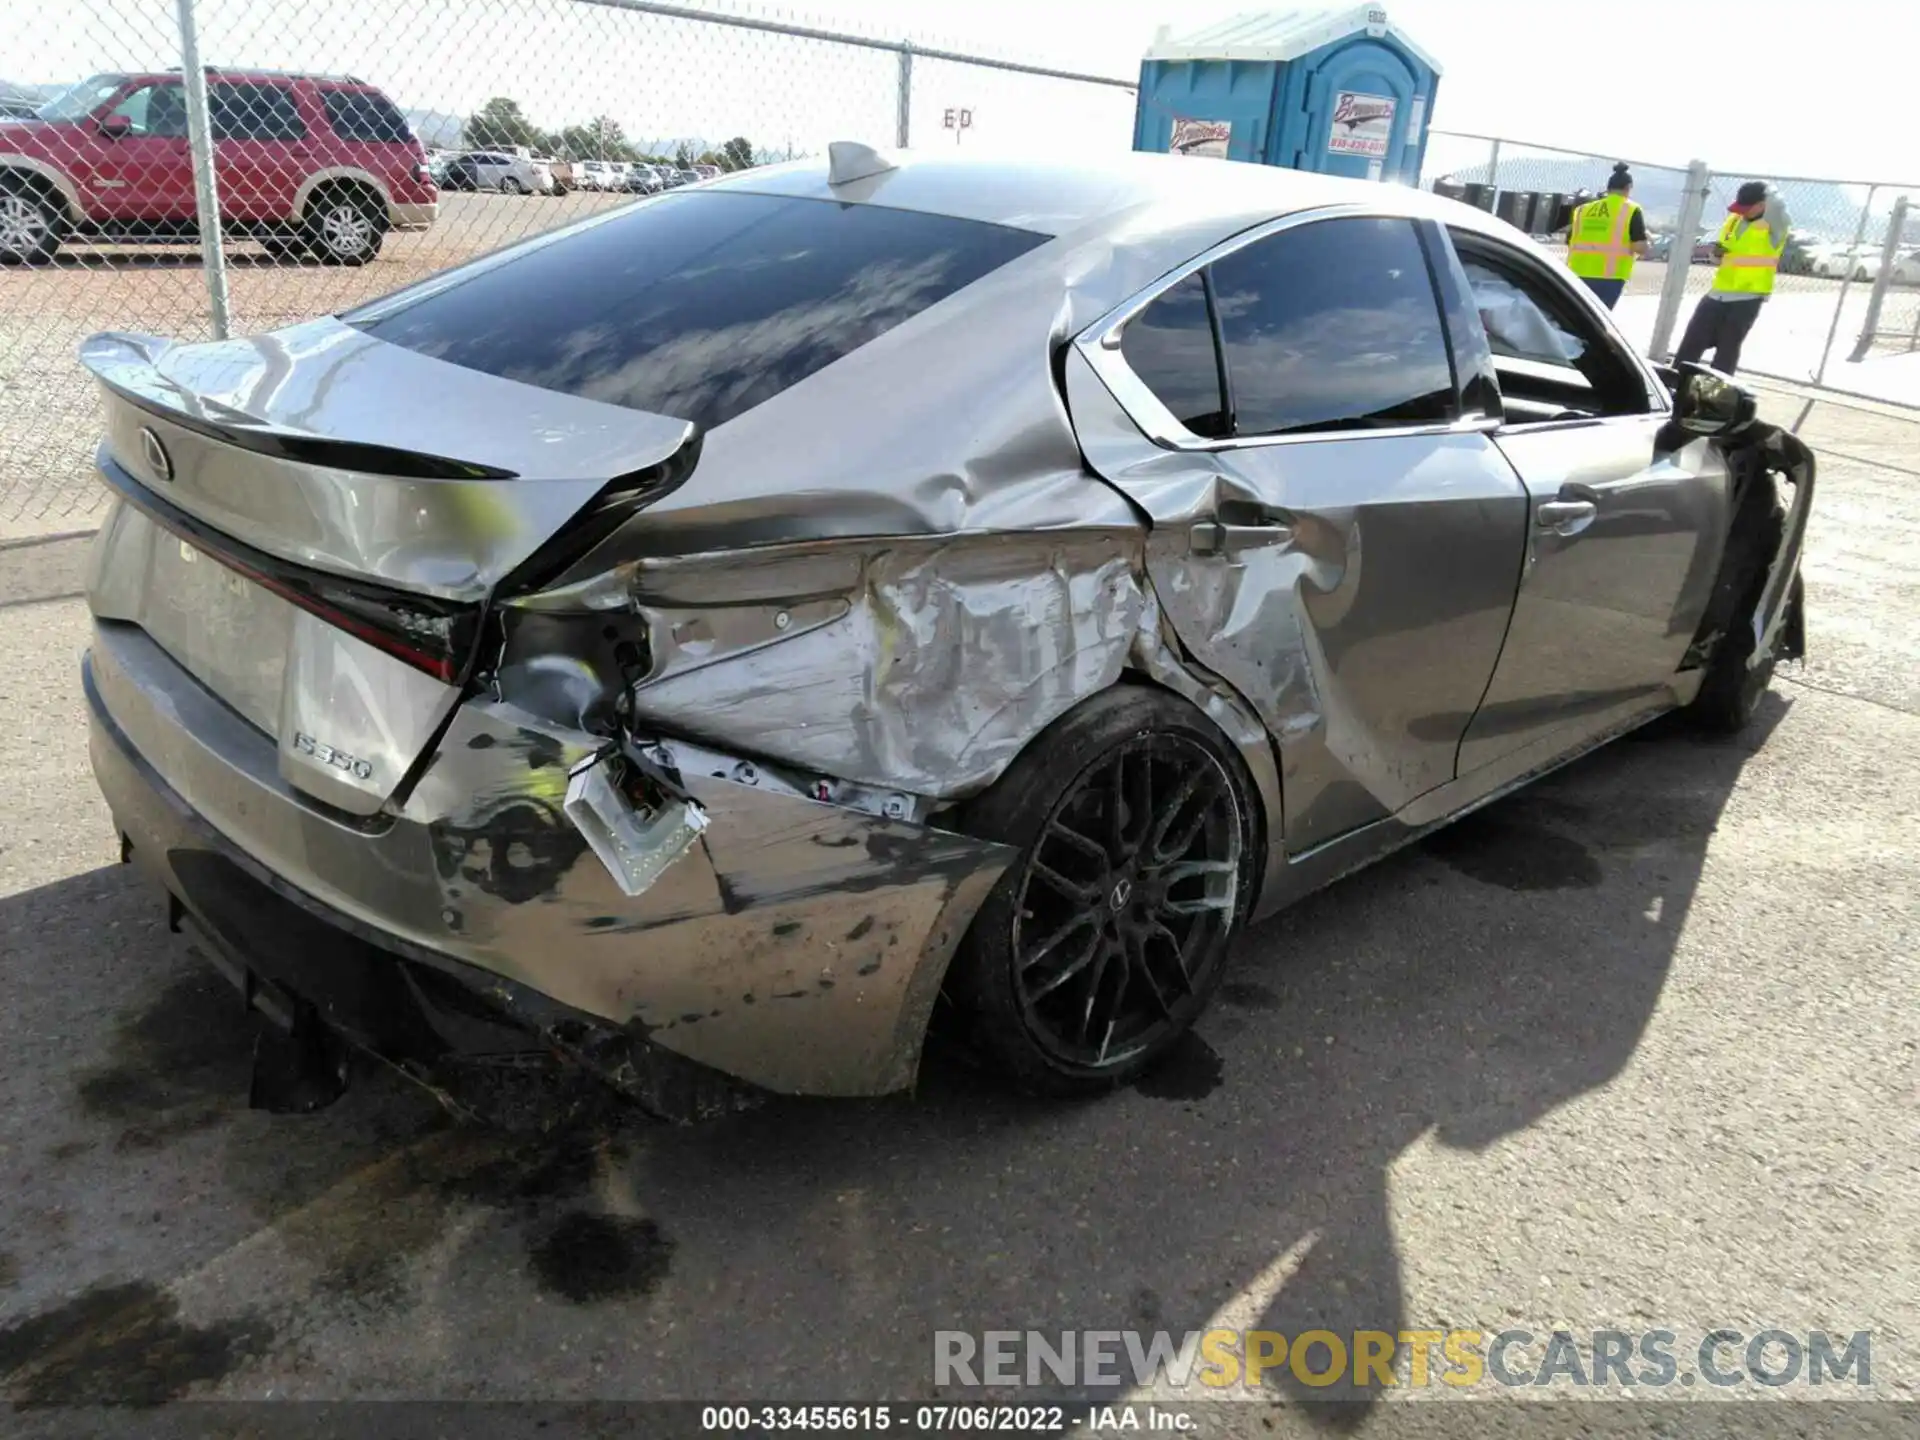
point(1605, 237)
point(1748, 253)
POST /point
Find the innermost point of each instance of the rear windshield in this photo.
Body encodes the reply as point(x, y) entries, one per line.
point(698, 306)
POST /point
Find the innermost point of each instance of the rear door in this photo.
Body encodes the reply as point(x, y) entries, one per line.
point(261, 148)
point(1624, 526)
point(1335, 535)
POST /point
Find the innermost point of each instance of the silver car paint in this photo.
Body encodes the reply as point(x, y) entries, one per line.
point(451, 538)
point(289, 673)
point(834, 591)
point(799, 945)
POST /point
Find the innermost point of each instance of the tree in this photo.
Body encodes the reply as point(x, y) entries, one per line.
point(682, 157)
point(601, 138)
point(500, 124)
point(737, 154)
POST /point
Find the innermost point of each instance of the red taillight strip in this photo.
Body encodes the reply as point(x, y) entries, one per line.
point(440, 667)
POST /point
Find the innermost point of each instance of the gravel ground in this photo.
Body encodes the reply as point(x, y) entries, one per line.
point(1634, 1049)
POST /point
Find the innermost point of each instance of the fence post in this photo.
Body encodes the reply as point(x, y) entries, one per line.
point(903, 121)
point(1673, 290)
point(1493, 179)
point(1889, 251)
point(206, 192)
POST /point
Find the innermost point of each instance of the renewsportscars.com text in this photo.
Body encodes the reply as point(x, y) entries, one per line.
point(1216, 1360)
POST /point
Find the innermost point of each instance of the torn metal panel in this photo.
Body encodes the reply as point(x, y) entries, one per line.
point(927, 673)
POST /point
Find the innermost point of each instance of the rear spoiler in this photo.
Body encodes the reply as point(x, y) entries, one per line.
point(321, 446)
point(128, 366)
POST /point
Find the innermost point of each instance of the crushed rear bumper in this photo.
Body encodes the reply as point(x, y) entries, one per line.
point(798, 946)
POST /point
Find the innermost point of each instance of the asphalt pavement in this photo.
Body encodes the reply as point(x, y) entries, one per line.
point(1632, 1050)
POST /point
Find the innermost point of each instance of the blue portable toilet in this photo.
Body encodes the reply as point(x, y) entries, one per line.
point(1342, 92)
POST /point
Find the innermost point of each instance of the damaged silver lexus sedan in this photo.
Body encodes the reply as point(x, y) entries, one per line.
point(704, 642)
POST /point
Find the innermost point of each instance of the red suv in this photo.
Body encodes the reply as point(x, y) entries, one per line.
point(317, 163)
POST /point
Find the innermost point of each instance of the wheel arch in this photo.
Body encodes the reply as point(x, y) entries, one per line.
point(46, 180)
point(335, 175)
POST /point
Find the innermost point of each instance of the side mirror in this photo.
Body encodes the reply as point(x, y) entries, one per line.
point(1705, 402)
point(116, 127)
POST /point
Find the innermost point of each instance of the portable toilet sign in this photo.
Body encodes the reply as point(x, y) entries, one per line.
point(1343, 92)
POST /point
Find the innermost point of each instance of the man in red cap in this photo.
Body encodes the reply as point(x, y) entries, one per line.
point(1748, 251)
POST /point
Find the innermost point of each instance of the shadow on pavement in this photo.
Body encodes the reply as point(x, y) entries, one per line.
point(1459, 993)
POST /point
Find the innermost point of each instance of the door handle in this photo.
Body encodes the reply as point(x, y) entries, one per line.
point(1565, 517)
point(1211, 537)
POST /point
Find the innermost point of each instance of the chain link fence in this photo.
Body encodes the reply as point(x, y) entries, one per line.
point(360, 145)
point(1848, 288)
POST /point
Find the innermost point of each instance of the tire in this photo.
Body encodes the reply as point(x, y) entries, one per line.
point(511, 186)
point(1731, 690)
point(30, 226)
point(344, 227)
point(1102, 943)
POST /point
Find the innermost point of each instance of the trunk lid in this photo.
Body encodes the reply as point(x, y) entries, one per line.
point(316, 521)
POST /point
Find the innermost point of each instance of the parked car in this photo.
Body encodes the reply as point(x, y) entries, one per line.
point(318, 162)
point(1906, 269)
point(689, 177)
point(595, 175)
point(564, 178)
point(707, 172)
point(626, 757)
point(1659, 247)
point(1846, 262)
point(19, 109)
point(643, 179)
point(508, 173)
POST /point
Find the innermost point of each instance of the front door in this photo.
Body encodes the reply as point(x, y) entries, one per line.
point(142, 171)
point(1624, 527)
point(1332, 536)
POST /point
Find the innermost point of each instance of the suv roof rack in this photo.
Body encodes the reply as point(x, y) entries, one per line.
point(281, 74)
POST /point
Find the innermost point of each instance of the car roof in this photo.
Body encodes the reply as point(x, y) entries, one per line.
point(251, 76)
point(1132, 190)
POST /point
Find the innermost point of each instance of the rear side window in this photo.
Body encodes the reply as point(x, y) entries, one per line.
point(253, 112)
point(1333, 325)
point(364, 115)
point(1169, 345)
point(698, 306)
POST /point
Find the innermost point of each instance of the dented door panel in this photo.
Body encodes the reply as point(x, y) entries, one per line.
point(1355, 590)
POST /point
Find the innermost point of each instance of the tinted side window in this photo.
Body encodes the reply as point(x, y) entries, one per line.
point(699, 306)
point(363, 115)
point(253, 112)
point(1333, 326)
point(1169, 345)
point(159, 110)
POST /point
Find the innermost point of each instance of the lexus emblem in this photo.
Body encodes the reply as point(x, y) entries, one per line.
point(158, 460)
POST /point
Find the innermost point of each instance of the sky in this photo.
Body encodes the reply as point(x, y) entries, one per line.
point(1793, 89)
